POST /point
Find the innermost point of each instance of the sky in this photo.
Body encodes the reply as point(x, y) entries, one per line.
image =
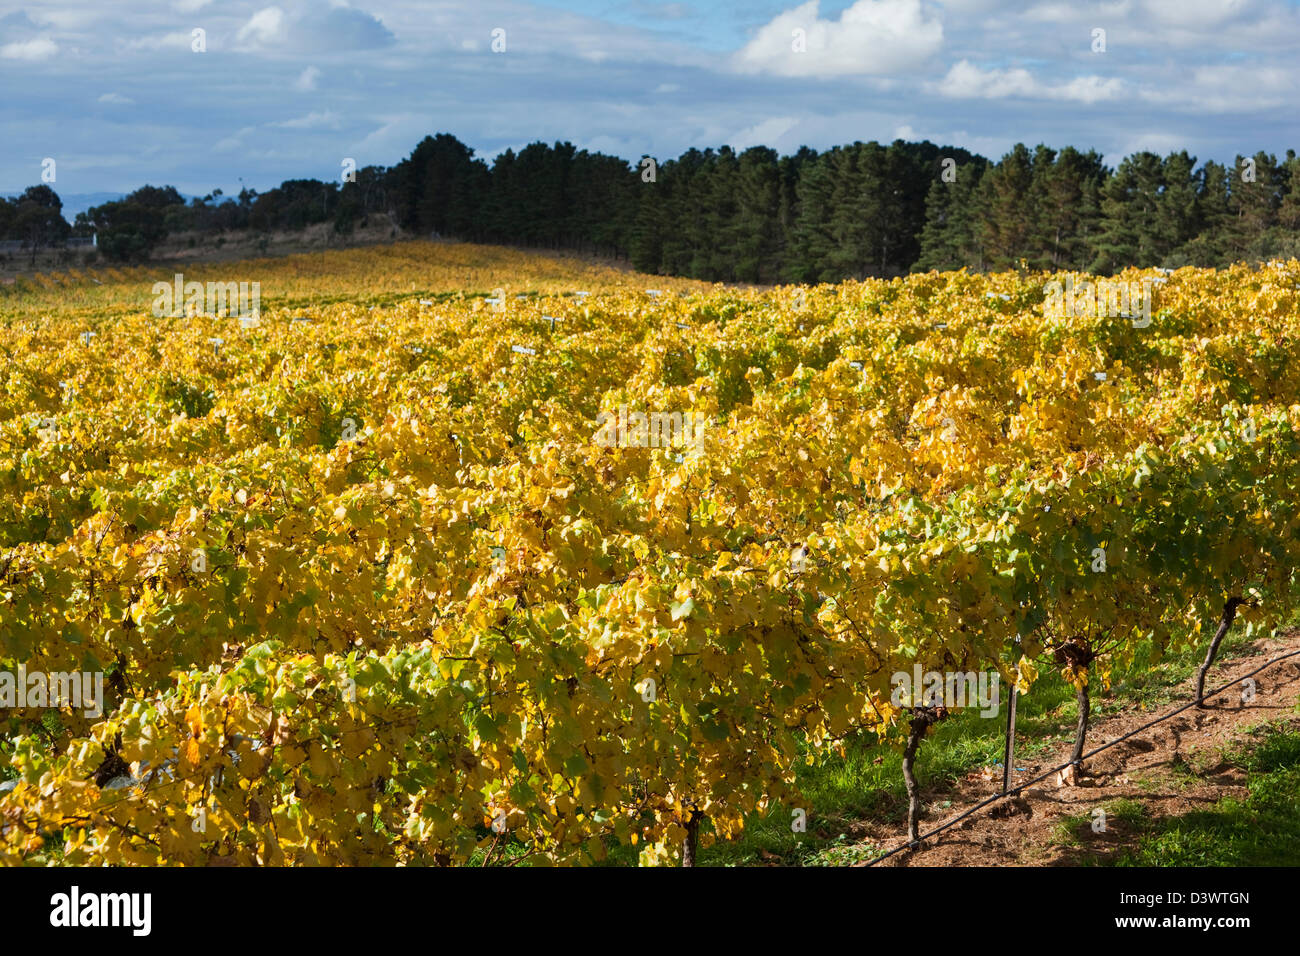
point(118, 95)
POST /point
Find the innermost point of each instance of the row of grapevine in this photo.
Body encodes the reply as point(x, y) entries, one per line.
point(366, 589)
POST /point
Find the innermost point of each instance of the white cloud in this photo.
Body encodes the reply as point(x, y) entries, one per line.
point(313, 29)
point(166, 41)
point(965, 80)
point(990, 146)
point(766, 133)
point(235, 141)
point(395, 136)
point(872, 37)
point(1203, 12)
point(1160, 143)
point(263, 27)
point(189, 6)
point(69, 19)
point(1055, 13)
point(40, 48)
point(117, 98)
point(313, 120)
point(1087, 89)
point(1228, 88)
point(306, 81)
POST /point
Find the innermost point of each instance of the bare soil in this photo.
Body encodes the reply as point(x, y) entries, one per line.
point(1171, 769)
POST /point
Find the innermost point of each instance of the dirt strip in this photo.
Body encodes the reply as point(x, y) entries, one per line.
point(1171, 769)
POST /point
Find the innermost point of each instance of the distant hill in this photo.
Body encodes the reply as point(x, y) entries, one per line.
point(74, 203)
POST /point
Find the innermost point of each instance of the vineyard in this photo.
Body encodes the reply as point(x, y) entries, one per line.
point(367, 584)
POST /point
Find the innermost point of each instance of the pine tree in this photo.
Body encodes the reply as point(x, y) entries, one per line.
point(1009, 219)
point(1126, 235)
point(1256, 194)
point(1213, 213)
point(1176, 215)
point(812, 242)
point(1065, 193)
point(758, 239)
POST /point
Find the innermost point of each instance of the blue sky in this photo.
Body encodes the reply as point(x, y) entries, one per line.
point(116, 95)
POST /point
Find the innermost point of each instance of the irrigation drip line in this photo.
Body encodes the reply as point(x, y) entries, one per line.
point(1015, 791)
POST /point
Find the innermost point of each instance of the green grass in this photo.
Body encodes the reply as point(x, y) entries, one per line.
point(1261, 830)
point(1123, 814)
point(868, 784)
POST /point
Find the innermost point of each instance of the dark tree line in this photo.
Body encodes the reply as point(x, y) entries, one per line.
point(1065, 209)
point(854, 211)
point(34, 218)
point(711, 214)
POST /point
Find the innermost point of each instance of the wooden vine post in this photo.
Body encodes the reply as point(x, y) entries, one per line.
point(1009, 753)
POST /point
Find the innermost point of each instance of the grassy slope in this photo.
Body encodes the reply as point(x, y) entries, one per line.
point(869, 782)
point(1261, 830)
